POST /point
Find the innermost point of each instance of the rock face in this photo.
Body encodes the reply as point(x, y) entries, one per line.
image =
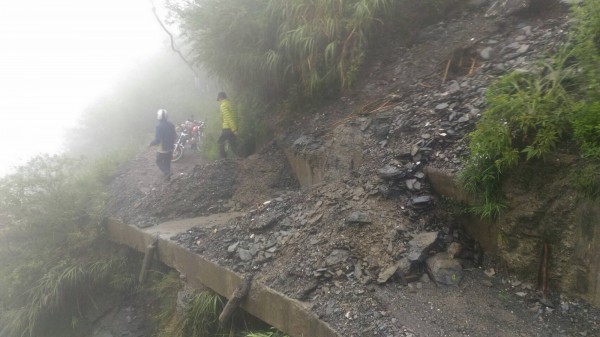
point(542, 208)
point(545, 209)
point(444, 269)
point(419, 245)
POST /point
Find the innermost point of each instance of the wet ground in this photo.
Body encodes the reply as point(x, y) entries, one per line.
point(343, 246)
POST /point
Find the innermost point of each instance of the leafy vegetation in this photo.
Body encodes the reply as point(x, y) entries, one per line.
point(587, 50)
point(530, 114)
point(58, 301)
point(586, 124)
point(587, 47)
point(527, 116)
point(164, 288)
point(199, 317)
point(53, 261)
point(271, 49)
point(280, 56)
point(587, 180)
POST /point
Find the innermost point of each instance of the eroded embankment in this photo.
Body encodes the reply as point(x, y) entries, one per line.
point(403, 126)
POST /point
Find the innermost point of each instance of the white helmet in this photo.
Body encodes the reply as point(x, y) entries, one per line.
point(161, 114)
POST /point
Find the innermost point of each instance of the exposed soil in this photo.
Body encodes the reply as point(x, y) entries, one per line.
point(346, 245)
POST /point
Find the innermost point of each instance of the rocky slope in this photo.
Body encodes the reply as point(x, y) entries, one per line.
point(366, 243)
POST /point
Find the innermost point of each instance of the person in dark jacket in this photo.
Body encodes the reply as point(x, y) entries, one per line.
point(165, 138)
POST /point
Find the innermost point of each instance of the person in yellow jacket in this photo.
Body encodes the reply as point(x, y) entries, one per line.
point(229, 132)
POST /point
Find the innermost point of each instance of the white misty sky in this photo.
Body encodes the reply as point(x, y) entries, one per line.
point(56, 58)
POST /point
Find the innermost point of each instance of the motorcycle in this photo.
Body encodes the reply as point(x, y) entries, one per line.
point(179, 147)
point(196, 130)
point(190, 133)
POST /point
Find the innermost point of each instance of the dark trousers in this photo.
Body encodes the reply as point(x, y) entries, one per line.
point(227, 135)
point(163, 161)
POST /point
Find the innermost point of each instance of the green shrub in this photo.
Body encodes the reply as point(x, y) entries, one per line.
point(530, 114)
point(164, 288)
point(586, 125)
point(53, 258)
point(587, 180)
point(201, 318)
point(58, 299)
point(587, 51)
point(587, 46)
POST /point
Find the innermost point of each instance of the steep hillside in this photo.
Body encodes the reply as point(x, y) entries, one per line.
point(339, 212)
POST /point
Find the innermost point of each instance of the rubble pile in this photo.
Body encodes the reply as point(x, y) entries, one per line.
point(370, 248)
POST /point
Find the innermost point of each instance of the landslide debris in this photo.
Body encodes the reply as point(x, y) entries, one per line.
point(366, 244)
point(141, 197)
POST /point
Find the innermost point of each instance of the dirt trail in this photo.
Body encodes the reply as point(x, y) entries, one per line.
point(171, 228)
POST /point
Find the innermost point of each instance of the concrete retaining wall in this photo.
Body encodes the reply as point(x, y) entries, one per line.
point(575, 251)
point(274, 308)
point(485, 232)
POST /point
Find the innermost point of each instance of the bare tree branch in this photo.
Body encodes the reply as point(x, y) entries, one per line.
point(173, 47)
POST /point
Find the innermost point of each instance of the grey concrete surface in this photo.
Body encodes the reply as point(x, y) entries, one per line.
point(286, 314)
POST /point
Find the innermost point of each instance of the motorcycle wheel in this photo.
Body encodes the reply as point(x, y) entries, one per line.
point(177, 153)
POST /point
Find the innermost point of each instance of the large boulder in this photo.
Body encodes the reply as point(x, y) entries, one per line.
point(420, 245)
point(444, 269)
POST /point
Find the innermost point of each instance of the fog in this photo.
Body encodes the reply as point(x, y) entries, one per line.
point(56, 58)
